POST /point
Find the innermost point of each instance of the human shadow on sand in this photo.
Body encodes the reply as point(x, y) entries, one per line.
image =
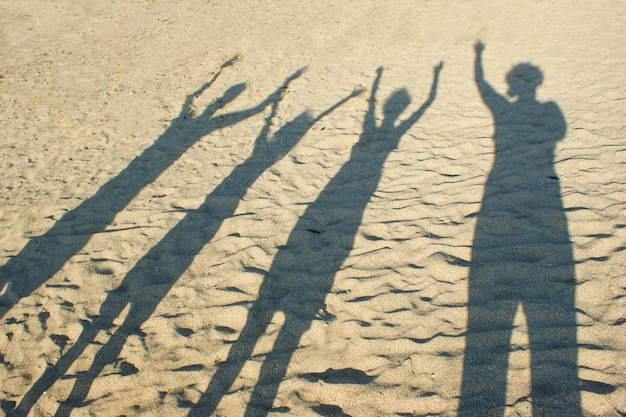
point(303, 270)
point(521, 258)
point(43, 256)
point(154, 275)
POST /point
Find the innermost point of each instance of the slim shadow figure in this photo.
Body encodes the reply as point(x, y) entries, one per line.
point(521, 256)
point(43, 256)
point(303, 271)
point(155, 274)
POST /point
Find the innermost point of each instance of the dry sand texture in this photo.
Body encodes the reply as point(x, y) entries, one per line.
point(224, 207)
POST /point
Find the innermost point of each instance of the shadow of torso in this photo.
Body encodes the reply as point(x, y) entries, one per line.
point(522, 210)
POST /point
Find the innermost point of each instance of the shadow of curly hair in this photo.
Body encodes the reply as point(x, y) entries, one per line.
point(527, 73)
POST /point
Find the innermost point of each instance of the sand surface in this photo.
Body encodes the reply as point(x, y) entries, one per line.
point(277, 208)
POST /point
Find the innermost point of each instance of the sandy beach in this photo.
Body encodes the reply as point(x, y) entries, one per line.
point(294, 208)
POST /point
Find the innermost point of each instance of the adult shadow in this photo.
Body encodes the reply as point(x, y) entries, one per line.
point(303, 270)
point(43, 256)
point(154, 275)
point(521, 258)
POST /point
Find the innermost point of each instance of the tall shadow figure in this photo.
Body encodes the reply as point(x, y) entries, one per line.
point(521, 257)
point(303, 271)
point(155, 274)
point(43, 256)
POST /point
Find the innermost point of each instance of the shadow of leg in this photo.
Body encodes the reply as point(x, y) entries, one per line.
point(106, 355)
point(227, 372)
point(554, 357)
point(275, 366)
point(486, 359)
point(53, 373)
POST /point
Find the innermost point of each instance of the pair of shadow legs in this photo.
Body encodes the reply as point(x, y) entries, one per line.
point(550, 318)
point(275, 362)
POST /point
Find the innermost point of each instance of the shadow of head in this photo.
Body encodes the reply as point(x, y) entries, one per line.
point(395, 105)
point(233, 92)
point(523, 80)
point(290, 133)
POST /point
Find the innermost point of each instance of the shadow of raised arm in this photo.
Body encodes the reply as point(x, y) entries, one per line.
point(185, 110)
point(491, 98)
point(288, 135)
point(369, 124)
point(431, 97)
point(273, 99)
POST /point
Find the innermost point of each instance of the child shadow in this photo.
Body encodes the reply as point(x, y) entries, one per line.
point(303, 271)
